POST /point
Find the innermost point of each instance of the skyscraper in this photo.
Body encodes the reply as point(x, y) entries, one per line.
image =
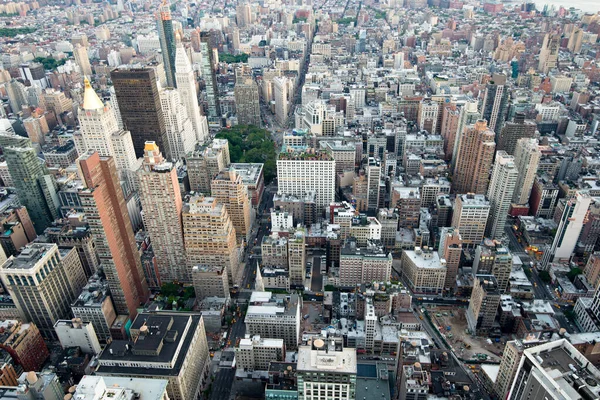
point(82, 59)
point(450, 250)
point(106, 212)
point(186, 86)
point(373, 178)
point(99, 131)
point(468, 116)
point(549, 52)
point(500, 193)
point(36, 187)
point(515, 130)
point(297, 257)
point(43, 280)
point(470, 217)
point(210, 80)
point(162, 206)
point(247, 102)
point(166, 37)
point(282, 104)
point(209, 235)
point(495, 105)
point(139, 103)
point(527, 159)
point(180, 131)
point(227, 187)
point(475, 156)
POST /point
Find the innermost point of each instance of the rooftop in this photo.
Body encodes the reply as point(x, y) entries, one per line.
point(325, 360)
point(474, 200)
point(250, 172)
point(106, 388)
point(29, 257)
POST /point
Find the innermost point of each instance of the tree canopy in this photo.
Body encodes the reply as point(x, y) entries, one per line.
point(50, 63)
point(12, 32)
point(251, 144)
point(232, 59)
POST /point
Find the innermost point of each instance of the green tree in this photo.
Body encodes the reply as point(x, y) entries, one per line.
point(573, 273)
point(49, 63)
point(232, 59)
point(12, 32)
point(545, 276)
point(169, 289)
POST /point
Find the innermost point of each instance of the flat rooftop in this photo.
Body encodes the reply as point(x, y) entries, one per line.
point(249, 172)
point(29, 256)
point(340, 362)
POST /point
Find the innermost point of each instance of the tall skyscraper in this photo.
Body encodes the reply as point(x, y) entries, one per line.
point(162, 206)
point(468, 116)
point(500, 193)
point(495, 105)
point(227, 187)
point(470, 217)
point(569, 229)
point(180, 130)
point(297, 257)
point(106, 213)
point(82, 59)
point(549, 52)
point(247, 102)
point(99, 131)
point(166, 37)
point(43, 280)
point(209, 235)
point(483, 306)
point(515, 130)
point(204, 164)
point(186, 85)
point(139, 103)
point(36, 187)
point(527, 159)
point(475, 157)
point(210, 80)
point(243, 14)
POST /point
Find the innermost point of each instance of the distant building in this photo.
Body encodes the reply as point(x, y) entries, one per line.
point(39, 385)
point(256, 353)
point(24, 343)
point(423, 271)
point(470, 217)
point(364, 264)
point(210, 281)
point(483, 306)
point(274, 316)
point(95, 305)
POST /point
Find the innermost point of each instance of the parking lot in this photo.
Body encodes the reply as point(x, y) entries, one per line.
point(315, 321)
point(465, 345)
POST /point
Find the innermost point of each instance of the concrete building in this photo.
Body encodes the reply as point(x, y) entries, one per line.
point(210, 281)
point(274, 251)
point(208, 67)
point(95, 305)
point(166, 36)
point(373, 171)
point(39, 385)
point(275, 316)
point(592, 269)
point(228, 189)
point(162, 346)
point(555, 370)
point(515, 130)
point(43, 280)
point(302, 207)
point(298, 173)
point(161, 210)
point(414, 382)
point(107, 216)
point(423, 271)
point(108, 388)
point(76, 333)
point(253, 178)
point(543, 198)
point(549, 52)
point(326, 371)
point(527, 159)
point(24, 343)
point(247, 102)
point(474, 159)
point(364, 264)
point(450, 250)
point(492, 258)
point(364, 229)
point(470, 218)
point(256, 353)
point(500, 193)
point(483, 306)
point(179, 128)
point(205, 163)
point(209, 235)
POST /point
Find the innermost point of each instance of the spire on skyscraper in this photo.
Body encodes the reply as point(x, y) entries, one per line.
point(259, 285)
point(91, 101)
